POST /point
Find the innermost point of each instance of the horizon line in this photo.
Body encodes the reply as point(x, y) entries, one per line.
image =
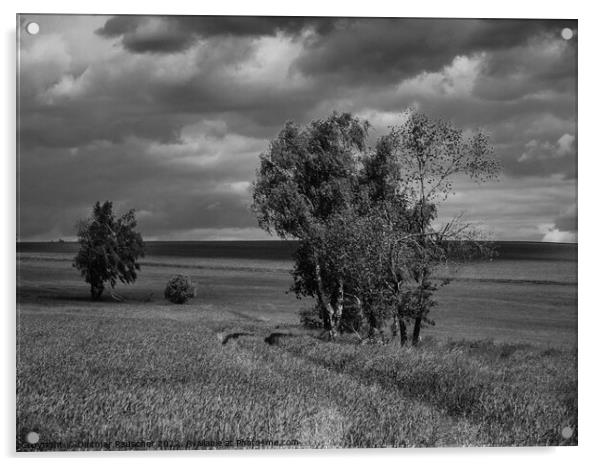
point(276, 240)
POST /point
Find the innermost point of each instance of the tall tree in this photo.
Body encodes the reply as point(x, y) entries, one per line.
point(428, 156)
point(109, 248)
point(308, 176)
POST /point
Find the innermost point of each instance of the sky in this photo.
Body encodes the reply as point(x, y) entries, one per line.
point(169, 114)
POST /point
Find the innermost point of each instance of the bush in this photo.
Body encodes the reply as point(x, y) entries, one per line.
point(179, 289)
point(310, 317)
point(351, 319)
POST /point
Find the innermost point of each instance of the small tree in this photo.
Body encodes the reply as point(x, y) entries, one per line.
point(109, 248)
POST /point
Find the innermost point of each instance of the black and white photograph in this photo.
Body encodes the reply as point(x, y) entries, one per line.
point(295, 232)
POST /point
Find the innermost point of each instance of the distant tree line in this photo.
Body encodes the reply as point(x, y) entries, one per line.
point(365, 218)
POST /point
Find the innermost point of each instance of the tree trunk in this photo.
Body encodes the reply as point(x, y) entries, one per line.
point(375, 324)
point(416, 332)
point(328, 311)
point(329, 321)
point(371, 325)
point(96, 291)
point(338, 307)
point(421, 309)
point(403, 331)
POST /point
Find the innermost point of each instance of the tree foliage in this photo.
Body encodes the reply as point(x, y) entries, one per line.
point(366, 219)
point(307, 177)
point(109, 248)
point(429, 156)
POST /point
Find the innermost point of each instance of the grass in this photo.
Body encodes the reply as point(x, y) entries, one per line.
point(148, 374)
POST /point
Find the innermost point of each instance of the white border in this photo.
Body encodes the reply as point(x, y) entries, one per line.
point(590, 321)
point(441, 8)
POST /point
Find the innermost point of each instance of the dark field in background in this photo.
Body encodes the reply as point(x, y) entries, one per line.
point(527, 294)
point(282, 250)
point(499, 368)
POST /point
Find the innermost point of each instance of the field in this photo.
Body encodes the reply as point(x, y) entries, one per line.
point(499, 368)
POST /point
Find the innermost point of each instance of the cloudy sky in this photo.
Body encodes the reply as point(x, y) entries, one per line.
point(168, 115)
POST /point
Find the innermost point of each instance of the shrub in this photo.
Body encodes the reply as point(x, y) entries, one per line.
point(352, 319)
point(179, 289)
point(310, 317)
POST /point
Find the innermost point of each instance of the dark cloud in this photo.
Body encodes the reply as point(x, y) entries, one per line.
point(87, 124)
point(392, 49)
point(543, 63)
point(166, 34)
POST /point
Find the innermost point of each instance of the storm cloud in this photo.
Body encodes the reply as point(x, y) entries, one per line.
point(168, 115)
point(154, 34)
